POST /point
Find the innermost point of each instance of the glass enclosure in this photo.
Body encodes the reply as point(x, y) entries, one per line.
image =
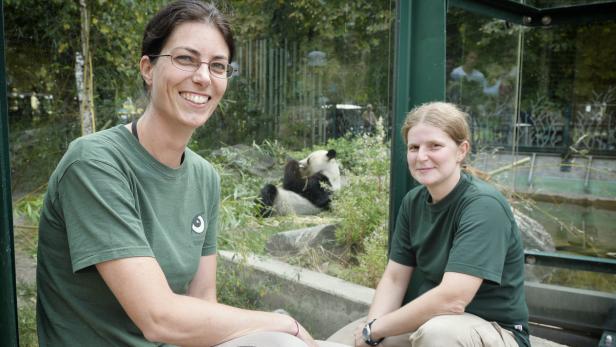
point(542, 101)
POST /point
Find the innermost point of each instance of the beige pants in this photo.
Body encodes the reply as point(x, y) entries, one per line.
point(449, 330)
point(272, 339)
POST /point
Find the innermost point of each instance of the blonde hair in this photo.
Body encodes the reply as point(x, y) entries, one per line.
point(441, 115)
point(447, 117)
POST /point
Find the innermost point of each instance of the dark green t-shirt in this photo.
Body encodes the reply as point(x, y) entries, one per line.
point(109, 199)
point(471, 231)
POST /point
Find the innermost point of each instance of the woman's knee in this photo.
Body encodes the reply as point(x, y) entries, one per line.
point(459, 330)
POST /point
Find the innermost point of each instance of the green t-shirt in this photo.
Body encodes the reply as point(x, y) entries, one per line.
point(109, 199)
point(471, 231)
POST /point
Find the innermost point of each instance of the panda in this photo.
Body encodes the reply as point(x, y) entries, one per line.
point(307, 186)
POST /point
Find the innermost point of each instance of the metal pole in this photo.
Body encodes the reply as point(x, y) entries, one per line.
point(8, 301)
point(419, 77)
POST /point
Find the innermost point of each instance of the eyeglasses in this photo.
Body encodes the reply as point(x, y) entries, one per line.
point(190, 62)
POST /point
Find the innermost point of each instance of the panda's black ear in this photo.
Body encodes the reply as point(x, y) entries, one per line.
point(331, 154)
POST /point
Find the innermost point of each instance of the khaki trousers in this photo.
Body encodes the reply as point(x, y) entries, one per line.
point(448, 330)
point(272, 339)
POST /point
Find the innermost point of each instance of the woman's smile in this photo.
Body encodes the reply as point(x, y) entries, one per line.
point(195, 98)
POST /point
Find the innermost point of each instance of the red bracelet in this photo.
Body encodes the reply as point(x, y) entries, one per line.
point(297, 326)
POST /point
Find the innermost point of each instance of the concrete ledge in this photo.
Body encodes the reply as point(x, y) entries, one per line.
point(321, 302)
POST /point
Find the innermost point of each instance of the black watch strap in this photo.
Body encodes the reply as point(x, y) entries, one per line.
point(368, 335)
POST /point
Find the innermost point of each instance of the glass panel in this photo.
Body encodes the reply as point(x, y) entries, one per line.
point(543, 108)
point(303, 88)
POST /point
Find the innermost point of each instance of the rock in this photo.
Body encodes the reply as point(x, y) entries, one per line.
point(249, 159)
point(535, 238)
point(534, 235)
point(297, 241)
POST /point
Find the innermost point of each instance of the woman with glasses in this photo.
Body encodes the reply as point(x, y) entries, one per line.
point(127, 247)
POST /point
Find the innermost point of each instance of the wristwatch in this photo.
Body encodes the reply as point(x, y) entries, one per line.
point(366, 333)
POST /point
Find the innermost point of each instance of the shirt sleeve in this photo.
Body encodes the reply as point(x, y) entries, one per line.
point(400, 250)
point(100, 214)
point(209, 246)
point(481, 241)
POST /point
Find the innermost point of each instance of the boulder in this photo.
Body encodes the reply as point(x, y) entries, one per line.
point(534, 235)
point(249, 159)
point(295, 242)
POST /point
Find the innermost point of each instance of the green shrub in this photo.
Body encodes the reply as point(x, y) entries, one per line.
point(362, 207)
point(26, 295)
point(372, 261)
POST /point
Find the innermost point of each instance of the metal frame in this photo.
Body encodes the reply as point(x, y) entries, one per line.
point(527, 15)
point(419, 77)
point(569, 261)
point(8, 300)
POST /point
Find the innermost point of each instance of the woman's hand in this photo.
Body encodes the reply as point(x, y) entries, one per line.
point(359, 339)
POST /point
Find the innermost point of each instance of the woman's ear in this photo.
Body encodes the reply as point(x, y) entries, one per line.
point(462, 151)
point(146, 68)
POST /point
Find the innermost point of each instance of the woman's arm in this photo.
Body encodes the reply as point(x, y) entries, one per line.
point(451, 296)
point(390, 290)
point(388, 296)
point(203, 285)
point(140, 286)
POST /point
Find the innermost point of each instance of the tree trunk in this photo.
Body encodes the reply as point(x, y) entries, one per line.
point(84, 76)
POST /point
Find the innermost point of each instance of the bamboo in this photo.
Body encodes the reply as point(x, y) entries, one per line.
point(509, 167)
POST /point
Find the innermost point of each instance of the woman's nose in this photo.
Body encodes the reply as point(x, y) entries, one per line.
point(422, 154)
point(202, 75)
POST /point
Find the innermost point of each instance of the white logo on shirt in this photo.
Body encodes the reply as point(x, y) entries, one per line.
point(518, 327)
point(198, 225)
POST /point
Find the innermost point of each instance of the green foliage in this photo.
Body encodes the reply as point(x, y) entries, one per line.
point(234, 290)
point(371, 261)
point(26, 297)
point(362, 208)
point(366, 155)
point(583, 280)
point(29, 207)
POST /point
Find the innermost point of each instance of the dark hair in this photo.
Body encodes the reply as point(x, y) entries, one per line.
point(163, 23)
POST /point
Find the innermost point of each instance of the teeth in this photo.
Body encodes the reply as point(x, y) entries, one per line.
point(197, 99)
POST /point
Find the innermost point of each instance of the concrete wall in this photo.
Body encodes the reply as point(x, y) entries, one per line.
point(322, 303)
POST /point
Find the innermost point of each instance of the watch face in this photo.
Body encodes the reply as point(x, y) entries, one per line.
point(365, 333)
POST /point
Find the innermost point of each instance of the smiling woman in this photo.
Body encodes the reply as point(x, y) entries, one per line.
point(460, 234)
point(127, 239)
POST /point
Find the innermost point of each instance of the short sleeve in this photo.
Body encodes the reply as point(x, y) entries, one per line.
point(209, 246)
point(480, 244)
point(400, 250)
point(101, 217)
